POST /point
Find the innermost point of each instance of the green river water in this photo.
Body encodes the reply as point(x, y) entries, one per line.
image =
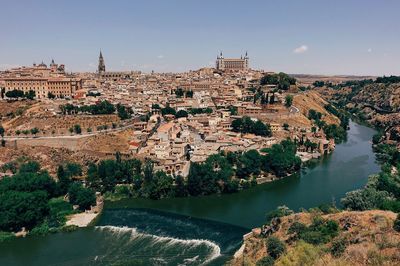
point(197, 230)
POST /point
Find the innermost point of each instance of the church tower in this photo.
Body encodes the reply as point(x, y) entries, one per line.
point(102, 67)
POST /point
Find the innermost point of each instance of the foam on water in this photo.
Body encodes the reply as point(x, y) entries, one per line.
point(215, 250)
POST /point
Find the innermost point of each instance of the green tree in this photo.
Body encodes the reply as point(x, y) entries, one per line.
point(122, 112)
point(2, 131)
point(288, 100)
point(30, 167)
point(64, 181)
point(249, 164)
point(179, 93)
point(77, 129)
point(22, 209)
point(181, 113)
point(84, 197)
point(275, 247)
point(180, 187)
point(34, 131)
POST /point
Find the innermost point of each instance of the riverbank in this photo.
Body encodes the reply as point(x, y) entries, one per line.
point(86, 218)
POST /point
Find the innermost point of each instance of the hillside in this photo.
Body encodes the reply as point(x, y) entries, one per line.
point(362, 238)
point(312, 100)
point(374, 102)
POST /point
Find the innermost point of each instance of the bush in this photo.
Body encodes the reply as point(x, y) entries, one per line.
point(266, 261)
point(275, 247)
point(84, 197)
point(301, 254)
point(40, 230)
point(280, 211)
point(319, 232)
point(338, 247)
point(4, 236)
point(396, 224)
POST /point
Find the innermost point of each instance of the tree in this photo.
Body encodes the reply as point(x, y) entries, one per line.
point(22, 209)
point(314, 115)
point(189, 94)
point(281, 158)
point(179, 93)
point(286, 126)
point(63, 181)
point(272, 99)
point(237, 125)
point(180, 187)
point(30, 167)
point(181, 113)
point(249, 164)
point(168, 110)
point(275, 247)
point(50, 95)
point(84, 197)
point(262, 129)
point(364, 199)
point(266, 261)
point(281, 80)
point(318, 83)
point(288, 100)
point(161, 186)
point(30, 95)
point(34, 131)
point(396, 224)
point(77, 129)
point(122, 112)
point(201, 180)
point(15, 94)
point(2, 131)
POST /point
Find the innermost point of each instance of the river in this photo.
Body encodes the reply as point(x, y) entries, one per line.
point(197, 230)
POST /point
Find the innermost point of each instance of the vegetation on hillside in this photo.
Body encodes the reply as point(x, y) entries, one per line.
point(33, 200)
point(281, 80)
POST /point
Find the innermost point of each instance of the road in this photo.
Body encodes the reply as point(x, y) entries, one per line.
point(77, 136)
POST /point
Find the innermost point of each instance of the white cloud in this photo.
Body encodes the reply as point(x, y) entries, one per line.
point(369, 50)
point(160, 56)
point(301, 49)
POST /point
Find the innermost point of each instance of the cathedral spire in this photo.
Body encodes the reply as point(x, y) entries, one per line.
point(102, 66)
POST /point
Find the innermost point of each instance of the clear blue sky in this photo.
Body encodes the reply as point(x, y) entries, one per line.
point(298, 36)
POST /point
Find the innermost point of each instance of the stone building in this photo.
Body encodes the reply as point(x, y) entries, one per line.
point(232, 64)
point(43, 86)
point(42, 80)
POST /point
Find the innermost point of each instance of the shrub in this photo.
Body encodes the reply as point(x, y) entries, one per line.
point(396, 224)
point(280, 211)
point(4, 236)
point(266, 261)
point(319, 232)
point(275, 247)
point(338, 247)
point(301, 254)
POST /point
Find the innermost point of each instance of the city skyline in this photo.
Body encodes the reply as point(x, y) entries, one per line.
point(309, 37)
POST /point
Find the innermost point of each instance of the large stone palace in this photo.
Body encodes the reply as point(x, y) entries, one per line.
point(232, 64)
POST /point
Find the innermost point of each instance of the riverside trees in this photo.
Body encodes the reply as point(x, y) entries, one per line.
point(27, 197)
point(220, 173)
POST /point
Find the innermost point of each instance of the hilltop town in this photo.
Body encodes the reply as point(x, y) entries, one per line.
point(171, 118)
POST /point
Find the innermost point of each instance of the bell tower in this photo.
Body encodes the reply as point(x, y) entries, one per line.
point(102, 67)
